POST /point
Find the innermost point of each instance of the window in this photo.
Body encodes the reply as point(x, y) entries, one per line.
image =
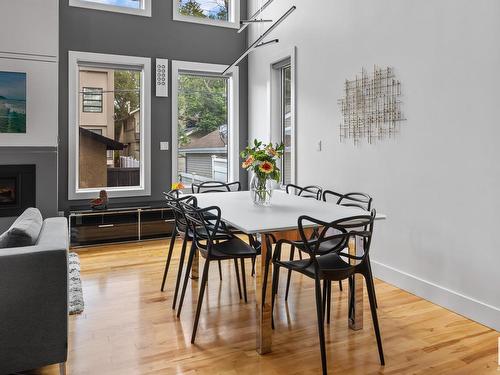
point(286, 123)
point(109, 148)
point(92, 99)
point(283, 112)
point(211, 12)
point(205, 123)
point(137, 7)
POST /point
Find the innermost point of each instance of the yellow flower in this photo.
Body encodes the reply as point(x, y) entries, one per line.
point(247, 163)
point(177, 186)
point(266, 167)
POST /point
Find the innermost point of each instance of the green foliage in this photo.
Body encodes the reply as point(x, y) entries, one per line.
point(262, 159)
point(127, 90)
point(202, 103)
point(193, 8)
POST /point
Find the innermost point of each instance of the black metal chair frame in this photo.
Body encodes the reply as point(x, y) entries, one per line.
point(206, 224)
point(311, 191)
point(181, 228)
point(215, 187)
point(344, 230)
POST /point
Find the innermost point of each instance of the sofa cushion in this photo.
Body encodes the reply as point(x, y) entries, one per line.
point(24, 231)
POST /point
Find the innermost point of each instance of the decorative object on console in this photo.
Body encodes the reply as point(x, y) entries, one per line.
point(262, 159)
point(370, 106)
point(100, 203)
point(12, 102)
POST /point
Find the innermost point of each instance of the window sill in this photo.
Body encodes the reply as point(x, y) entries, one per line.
point(206, 21)
point(145, 12)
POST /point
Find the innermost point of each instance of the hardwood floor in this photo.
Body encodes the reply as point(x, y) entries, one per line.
point(129, 327)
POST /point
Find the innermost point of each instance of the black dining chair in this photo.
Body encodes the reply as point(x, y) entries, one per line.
point(206, 225)
point(354, 199)
point(215, 187)
point(311, 191)
point(181, 229)
point(219, 187)
point(331, 264)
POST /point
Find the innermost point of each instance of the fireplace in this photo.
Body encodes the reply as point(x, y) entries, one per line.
point(17, 189)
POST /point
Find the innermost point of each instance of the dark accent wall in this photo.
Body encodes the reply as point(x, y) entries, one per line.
point(157, 36)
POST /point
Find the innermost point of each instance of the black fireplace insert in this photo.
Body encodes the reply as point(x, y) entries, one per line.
point(17, 189)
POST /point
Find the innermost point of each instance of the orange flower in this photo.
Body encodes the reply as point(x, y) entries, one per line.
point(177, 186)
point(266, 167)
point(247, 163)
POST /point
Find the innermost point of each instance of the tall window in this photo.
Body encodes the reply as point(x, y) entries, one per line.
point(205, 121)
point(286, 122)
point(138, 7)
point(109, 141)
point(211, 12)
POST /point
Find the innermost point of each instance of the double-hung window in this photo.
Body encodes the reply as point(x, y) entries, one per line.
point(204, 123)
point(136, 7)
point(109, 125)
point(225, 13)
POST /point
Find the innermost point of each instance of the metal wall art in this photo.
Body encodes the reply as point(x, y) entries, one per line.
point(370, 107)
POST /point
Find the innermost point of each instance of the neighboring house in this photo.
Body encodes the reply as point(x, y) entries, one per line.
point(92, 168)
point(203, 156)
point(128, 132)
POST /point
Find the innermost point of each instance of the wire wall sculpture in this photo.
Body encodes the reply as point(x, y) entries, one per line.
point(370, 107)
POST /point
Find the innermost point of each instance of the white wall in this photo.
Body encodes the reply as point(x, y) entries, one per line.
point(438, 182)
point(29, 42)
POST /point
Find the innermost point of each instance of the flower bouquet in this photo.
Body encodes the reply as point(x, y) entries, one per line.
point(262, 160)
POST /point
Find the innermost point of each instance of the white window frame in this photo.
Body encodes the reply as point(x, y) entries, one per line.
point(233, 111)
point(233, 15)
point(144, 10)
point(143, 63)
point(275, 131)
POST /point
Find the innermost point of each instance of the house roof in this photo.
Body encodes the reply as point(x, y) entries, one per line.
point(207, 141)
point(111, 144)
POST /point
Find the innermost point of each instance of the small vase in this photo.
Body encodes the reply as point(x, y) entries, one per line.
point(261, 190)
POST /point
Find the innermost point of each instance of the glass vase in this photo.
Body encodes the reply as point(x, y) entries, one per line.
point(261, 190)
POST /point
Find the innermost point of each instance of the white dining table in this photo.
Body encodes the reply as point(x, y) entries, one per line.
point(280, 220)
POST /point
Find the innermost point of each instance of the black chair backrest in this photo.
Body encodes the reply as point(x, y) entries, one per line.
point(338, 233)
point(311, 191)
point(204, 222)
point(174, 199)
point(215, 187)
point(360, 200)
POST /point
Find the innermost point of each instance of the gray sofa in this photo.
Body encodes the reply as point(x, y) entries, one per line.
point(34, 301)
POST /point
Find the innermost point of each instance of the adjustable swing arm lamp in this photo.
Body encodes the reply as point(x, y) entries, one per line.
point(244, 24)
point(260, 39)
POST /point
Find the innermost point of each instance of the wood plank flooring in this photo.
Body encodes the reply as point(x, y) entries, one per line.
point(129, 327)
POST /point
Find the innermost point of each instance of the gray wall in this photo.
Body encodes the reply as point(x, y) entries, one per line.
point(159, 36)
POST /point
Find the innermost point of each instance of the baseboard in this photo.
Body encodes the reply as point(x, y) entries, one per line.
point(471, 308)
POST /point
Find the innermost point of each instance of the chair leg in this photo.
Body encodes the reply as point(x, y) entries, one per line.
point(371, 276)
point(179, 272)
point(186, 277)
point(371, 297)
point(292, 251)
point(169, 257)
point(328, 301)
point(62, 368)
point(325, 293)
point(340, 285)
point(321, 330)
point(276, 279)
point(243, 278)
point(237, 276)
point(220, 270)
point(200, 298)
point(253, 266)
